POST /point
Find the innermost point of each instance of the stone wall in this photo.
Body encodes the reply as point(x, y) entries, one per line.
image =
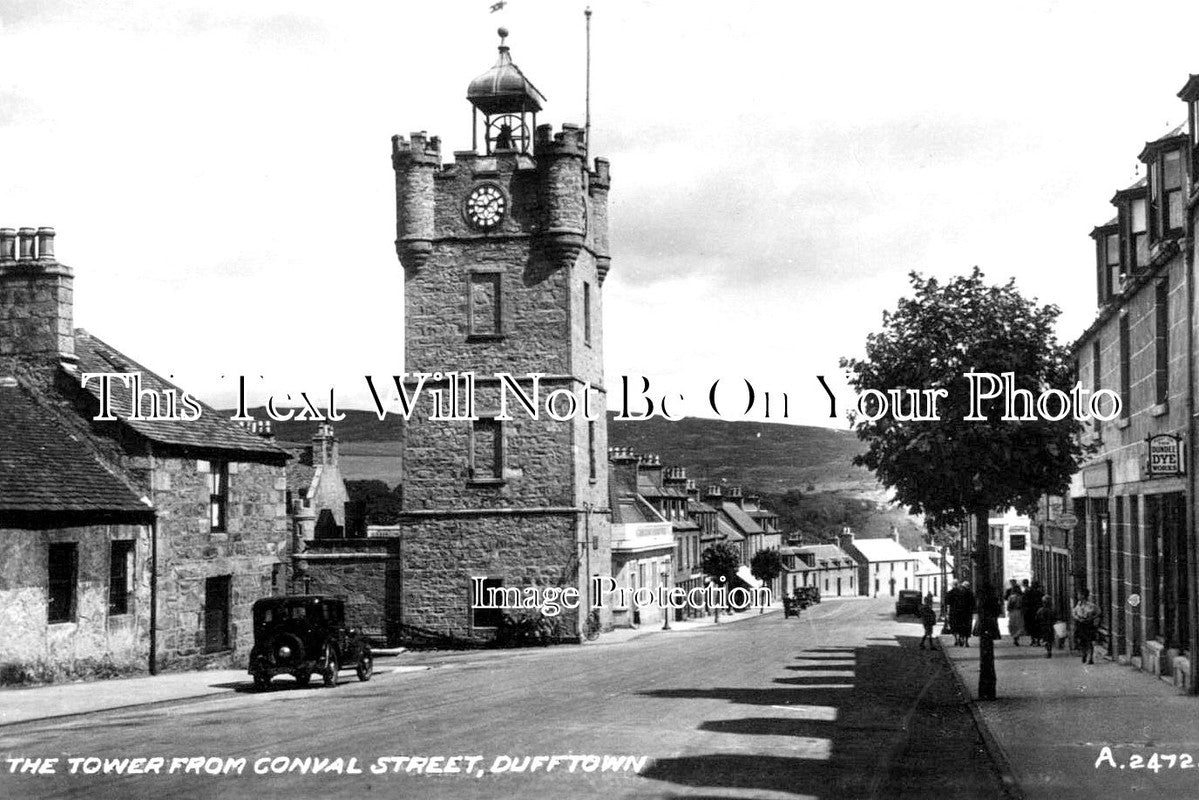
point(364, 572)
point(249, 551)
point(93, 643)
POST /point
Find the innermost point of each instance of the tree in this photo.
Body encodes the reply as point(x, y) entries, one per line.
point(953, 469)
point(719, 562)
point(766, 566)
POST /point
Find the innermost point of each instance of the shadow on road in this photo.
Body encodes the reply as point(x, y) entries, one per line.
point(898, 728)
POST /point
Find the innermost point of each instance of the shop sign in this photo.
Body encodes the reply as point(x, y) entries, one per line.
point(1165, 456)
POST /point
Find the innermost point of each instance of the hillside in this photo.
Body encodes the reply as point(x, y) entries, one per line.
point(768, 456)
point(804, 473)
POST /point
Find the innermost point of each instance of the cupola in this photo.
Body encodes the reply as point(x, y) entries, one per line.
point(509, 103)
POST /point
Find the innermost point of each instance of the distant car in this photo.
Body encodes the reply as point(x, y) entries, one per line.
point(303, 634)
point(908, 602)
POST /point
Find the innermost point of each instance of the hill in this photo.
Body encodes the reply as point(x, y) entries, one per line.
point(768, 456)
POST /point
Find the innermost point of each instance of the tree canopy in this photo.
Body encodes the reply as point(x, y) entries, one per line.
point(951, 467)
point(766, 565)
point(720, 560)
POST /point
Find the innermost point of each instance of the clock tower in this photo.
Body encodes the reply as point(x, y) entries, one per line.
point(504, 251)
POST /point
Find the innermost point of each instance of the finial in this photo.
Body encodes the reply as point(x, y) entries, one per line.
point(503, 32)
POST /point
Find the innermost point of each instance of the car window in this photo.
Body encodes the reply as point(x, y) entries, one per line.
point(298, 612)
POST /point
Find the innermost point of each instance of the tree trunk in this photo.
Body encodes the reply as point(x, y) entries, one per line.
point(944, 551)
point(984, 596)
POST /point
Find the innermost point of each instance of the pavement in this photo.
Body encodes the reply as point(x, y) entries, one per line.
point(1061, 729)
point(25, 704)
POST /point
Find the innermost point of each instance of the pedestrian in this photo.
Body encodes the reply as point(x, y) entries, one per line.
point(929, 618)
point(1012, 588)
point(1045, 619)
point(961, 613)
point(1086, 625)
point(1032, 604)
point(989, 609)
point(1015, 613)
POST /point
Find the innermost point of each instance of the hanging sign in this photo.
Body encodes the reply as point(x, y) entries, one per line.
point(1165, 455)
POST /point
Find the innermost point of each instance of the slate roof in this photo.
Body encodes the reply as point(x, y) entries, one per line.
point(211, 431)
point(730, 532)
point(885, 549)
point(744, 522)
point(46, 467)
point(830, 553)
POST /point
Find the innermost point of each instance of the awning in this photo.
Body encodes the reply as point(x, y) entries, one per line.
point(745, 575)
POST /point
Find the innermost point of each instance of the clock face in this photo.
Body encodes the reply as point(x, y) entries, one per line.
point(485, 207)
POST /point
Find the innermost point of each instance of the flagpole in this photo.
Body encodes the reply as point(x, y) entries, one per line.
point(587, 95)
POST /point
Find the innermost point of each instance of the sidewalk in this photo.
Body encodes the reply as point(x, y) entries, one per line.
point(1054, 717)
point(86, 697)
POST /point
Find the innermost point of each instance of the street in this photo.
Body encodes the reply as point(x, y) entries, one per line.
point(837, 704)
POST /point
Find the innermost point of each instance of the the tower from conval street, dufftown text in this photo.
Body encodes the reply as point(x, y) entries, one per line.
point(504, 251)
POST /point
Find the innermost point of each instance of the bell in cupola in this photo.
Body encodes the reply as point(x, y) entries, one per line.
point(508, 102)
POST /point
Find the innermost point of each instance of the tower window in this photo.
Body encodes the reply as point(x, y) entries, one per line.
point(484, 306)
point(591, 465)
point(487, 450)
point(587, 312)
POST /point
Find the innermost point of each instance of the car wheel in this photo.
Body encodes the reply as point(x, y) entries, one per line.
point(261, 681)
point(366, 664)
point(329, 666)
point(303, 677)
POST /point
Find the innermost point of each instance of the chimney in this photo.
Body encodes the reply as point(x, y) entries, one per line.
point(895, 533)
point(675, 477)
point(324, 446)
point(734, 494)
point(36, 298)
point(713, 496)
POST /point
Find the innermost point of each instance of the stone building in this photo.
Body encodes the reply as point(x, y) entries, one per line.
point(128, 542)
point(827, 567)
point(643, 539)
point(316, 491)
point(884, 565)
point(1134, 496)
point(504, 252)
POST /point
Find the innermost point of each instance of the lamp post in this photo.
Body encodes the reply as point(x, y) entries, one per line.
point(666, 608)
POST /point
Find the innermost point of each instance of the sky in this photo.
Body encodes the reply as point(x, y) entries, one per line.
point(219, 173)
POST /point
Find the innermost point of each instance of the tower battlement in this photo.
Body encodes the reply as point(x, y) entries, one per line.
point(422, 149)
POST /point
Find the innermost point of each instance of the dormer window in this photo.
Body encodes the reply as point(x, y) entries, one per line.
point(1109, 275)
point(1165, 194)
point(1138, 233)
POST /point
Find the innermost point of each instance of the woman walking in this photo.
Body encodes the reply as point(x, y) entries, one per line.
point(1015, 613)
point(1086, 625)
point(961, 613)
point(1045, 619)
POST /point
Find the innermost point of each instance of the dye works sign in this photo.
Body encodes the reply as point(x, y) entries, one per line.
point(1165, 456)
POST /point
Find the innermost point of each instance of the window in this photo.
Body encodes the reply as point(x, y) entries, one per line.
point(592, 468)
point(1095, 366)
point(64, 566)
point(1162, 340)
point(484, 306)
point(120, 576)
point(1111, 258)
point(587, 313)
point(1125, 374)
point(1165, 194)
point(218, 493)
point(216, 614)
point(485, 617)
point(1138, 242)
point(1018, 541)
point(487, 450)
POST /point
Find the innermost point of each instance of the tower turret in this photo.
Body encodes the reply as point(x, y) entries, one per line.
point(415, 163)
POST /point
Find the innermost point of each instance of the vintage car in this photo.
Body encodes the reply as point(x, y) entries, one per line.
point(303, 634)
point(907, 602)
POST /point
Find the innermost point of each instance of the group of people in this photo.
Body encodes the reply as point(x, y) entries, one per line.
point(1030, 613)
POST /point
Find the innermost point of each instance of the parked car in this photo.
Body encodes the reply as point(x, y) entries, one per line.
point(303, 634)
point(907, 602)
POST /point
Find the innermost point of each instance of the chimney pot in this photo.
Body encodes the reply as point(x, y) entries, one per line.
point(26, 236)
point(45, 244)
point(8, 244)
